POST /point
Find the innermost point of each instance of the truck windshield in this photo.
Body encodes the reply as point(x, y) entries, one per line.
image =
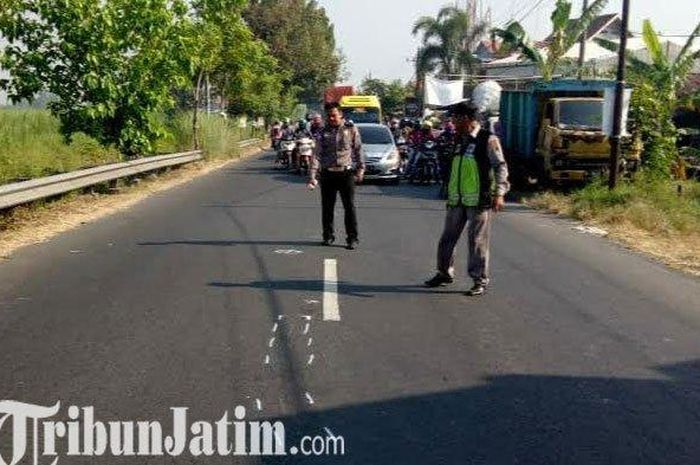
point(583, 115)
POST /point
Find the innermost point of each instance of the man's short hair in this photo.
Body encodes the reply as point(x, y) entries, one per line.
point(332, 105)
point(465, 109)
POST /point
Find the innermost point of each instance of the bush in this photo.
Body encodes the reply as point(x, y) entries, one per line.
point(649, 203)
point(32, 146)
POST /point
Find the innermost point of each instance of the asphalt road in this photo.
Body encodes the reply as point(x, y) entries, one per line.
point(211, 296)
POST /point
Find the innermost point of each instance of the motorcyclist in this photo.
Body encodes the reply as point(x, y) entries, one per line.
point(302, 130)
point(417, 139)
point(394, 127)
point(316, 126)
point(275, 134)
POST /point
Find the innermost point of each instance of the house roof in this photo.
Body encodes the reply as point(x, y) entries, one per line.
point(597, 26)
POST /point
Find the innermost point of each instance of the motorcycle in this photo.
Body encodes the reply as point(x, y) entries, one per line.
point(286, 151)
point(445, 150)
point(425, 169)
point(305, 147)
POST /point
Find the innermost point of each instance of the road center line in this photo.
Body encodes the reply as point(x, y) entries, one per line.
point(331, 311)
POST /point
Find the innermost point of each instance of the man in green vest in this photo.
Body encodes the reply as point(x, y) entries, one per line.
point(477, 186)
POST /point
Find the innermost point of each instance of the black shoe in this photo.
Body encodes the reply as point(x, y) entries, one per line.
point(328, 242)
point(477, 290)
point(352, 244)
point(439, 280)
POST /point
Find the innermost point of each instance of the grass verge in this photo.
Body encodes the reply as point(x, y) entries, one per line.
point(32, 146)
point(657, 217)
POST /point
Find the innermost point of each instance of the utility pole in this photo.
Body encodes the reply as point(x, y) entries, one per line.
point(582, 48)
point(615, 145)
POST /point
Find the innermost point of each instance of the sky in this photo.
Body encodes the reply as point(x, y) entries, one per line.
point(375, 35)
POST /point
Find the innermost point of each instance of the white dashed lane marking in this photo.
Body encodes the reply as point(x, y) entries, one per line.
point(331, 310)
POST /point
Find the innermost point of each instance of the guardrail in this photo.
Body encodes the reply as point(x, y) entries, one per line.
point(23, 192)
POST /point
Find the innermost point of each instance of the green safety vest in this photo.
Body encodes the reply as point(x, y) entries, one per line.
point(471, 179)
point(465, 186)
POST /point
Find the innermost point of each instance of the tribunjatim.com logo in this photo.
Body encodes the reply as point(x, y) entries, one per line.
point(35, 435)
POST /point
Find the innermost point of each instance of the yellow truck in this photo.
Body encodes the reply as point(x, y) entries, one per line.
point(362, 108)
point(553, 132)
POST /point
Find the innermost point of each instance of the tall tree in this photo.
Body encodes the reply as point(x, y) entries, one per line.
point(110, 65)
point(448, 42)
point(392, 94)
point(566, 32)
point(302, 38)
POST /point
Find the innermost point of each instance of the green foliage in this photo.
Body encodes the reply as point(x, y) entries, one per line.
point(448, 42)
point(239, 65)
point(32, 146)
point(301, 37)
point(391, 94)
point(651, 118)
point(565, 33)
point(649, 202)
point(219, 136)
point(655, 98)
point(111, 65)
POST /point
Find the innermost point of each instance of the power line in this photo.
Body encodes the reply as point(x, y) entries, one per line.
point(537, 5)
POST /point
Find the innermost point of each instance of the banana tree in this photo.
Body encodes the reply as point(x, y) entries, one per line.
point(566, 32)
point(658, 82)
point(669, 75)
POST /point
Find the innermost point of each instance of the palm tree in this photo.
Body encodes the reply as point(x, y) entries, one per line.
point(448, 42)
point(566, 32)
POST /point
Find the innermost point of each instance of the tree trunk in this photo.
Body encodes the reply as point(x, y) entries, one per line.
point(195, 122)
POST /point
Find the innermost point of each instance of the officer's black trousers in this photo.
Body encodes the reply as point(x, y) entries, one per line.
point(333, 183)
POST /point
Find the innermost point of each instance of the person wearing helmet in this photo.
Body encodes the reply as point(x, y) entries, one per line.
point(316, 125)
point(422, 134)
point(302, 130)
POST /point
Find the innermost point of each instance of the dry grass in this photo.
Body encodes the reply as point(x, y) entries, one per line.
point(648, 215)
point(38, 223)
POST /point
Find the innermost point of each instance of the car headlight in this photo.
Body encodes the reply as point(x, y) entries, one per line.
point(392, 156)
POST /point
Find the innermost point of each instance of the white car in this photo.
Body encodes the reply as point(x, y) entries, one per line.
point(382, 158)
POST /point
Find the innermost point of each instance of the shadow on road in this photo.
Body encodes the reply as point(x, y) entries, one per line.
point(204, 243)
point(520, 419)
point(344, 288)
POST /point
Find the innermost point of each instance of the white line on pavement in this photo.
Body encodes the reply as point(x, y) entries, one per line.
point(307, 326)
point(311, 359)
point(311, 341)
point(271, 343)
point(274, 328)
point(310, 399)
point(267, 359)
point(331, 311)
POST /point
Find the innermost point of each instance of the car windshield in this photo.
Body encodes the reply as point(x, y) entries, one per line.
point(375, 135)
point(587, 115)
point(362, 115)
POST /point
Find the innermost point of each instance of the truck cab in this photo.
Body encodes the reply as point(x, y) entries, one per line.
point(362, 109)
point(571, 141)
point(553, 132)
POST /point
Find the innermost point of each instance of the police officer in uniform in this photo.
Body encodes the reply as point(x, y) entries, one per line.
point(339, 163)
